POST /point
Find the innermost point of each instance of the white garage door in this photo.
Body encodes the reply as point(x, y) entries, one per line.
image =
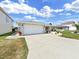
point(33, 29)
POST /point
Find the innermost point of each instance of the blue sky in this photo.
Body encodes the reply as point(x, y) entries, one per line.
point(54, 11)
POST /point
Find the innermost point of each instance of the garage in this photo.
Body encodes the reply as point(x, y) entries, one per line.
point(28, 28)
point(33, 29)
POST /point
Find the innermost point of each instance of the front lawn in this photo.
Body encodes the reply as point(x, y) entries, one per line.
point(3, 36)
point(68, 34)
point(13, 49)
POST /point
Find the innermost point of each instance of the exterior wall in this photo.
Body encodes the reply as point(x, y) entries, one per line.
point(32, 29)
point(5, 23)
point(66, 27)
point(72, 28)
point(21, 29)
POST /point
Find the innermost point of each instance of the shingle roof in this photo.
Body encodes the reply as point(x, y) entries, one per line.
point(68, 22)
point(30, 22)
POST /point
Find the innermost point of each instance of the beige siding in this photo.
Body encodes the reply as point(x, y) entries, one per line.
point(5, 23)
point(32, 29)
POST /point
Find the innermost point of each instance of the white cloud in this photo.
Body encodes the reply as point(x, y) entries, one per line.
point(65, 14)
point(67, 6)
point(21, 1)
point(68, 14)
point(58, 10)
point(29, 18)
point(16, 8)
point(74, 6)
point(45, 11)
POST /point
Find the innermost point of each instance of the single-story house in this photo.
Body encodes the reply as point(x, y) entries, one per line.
point(5, 22)
point(70, 25)
point(32, 27)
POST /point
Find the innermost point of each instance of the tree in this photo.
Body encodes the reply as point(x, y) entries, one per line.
point(77, 26)
point(50, 23)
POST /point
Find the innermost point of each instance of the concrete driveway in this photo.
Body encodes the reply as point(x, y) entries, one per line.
point(50, 46)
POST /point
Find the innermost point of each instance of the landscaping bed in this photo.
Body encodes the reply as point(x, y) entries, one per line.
point(13, 49)
point(69, 34)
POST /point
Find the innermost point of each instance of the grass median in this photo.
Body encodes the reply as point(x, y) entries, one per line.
point(69, 34)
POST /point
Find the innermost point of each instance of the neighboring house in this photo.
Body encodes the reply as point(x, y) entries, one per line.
point(32, 27)
point(70, 25)
point(5, 22)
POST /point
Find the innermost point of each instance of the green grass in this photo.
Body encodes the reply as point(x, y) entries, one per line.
point(7, 34)
point(68, 34)
point(3, 36)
